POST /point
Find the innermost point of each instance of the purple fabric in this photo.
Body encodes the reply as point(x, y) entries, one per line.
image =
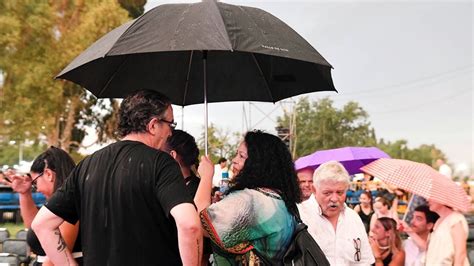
point(351, 157)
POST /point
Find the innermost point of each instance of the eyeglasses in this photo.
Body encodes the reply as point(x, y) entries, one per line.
point(172, 124)
point(34, 181)
point(357, 248)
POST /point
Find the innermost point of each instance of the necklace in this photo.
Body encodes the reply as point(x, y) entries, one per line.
point(383, 247)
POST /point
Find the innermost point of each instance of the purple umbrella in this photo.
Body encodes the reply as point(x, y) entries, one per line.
point(353, 158)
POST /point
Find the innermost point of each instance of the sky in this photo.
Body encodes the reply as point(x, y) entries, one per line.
point(409, 64)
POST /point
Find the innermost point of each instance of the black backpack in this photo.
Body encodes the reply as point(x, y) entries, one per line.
point(302, 251)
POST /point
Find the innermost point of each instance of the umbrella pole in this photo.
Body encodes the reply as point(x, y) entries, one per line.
point(182, 117)
point(408, 207)
point(204, 59)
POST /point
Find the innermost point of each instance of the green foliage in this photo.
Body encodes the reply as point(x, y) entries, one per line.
point(135, 8)
point(37, 40)
point(221, 143)
point(427, 154)
point(320, 126)
point(9, 153)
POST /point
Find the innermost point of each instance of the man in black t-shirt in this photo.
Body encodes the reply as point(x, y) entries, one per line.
point(123, 196)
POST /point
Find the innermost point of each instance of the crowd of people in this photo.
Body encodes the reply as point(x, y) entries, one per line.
point(148, 200)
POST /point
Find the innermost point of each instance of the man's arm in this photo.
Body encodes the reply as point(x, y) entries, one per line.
point(46, 226)
point(459, 240)
point(189, 233)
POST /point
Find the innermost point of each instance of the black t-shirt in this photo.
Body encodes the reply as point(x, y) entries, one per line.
point(123, 195)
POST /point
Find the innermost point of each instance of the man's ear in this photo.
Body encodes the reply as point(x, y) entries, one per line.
point(173, 154)
point(430, 226)
point(152, 126)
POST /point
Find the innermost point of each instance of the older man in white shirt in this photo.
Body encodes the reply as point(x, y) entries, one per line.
point(337, 229)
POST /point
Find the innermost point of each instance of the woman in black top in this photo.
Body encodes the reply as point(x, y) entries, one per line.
point(365, 209)
point(183, 148)
point(48, 172)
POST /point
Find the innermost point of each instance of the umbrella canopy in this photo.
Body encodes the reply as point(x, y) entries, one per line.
point(353, 158)
point(202, 52)
point(420, 179)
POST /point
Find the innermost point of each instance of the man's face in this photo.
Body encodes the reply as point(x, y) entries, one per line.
point(418, 223)
point(165, 129)
point(223, 164)
point(331, 196)
point(305, 179)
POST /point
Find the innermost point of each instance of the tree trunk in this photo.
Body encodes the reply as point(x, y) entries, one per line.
point(70, 122)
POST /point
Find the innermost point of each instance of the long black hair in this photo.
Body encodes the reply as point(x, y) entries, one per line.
point(269, 165)
point(58, 161)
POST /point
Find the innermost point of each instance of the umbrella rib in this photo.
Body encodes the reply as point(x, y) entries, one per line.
point(230, 47)
point(112, 76)
point(263, 76)
point(187, 78)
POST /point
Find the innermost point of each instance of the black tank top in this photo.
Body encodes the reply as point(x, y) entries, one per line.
point(366, 219)
point(36, 248)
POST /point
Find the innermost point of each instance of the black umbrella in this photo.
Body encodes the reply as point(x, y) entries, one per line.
point(202, 52)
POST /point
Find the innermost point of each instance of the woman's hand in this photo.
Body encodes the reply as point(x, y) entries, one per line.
point(20, 184)
point(206, 168)
point(217, 197)
point(375, 248)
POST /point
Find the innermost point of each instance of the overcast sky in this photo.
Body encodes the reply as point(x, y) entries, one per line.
point(408, 63)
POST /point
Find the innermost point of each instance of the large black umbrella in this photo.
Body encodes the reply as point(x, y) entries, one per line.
point(202, 52)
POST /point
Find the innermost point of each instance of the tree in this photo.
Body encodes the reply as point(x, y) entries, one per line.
point(424, 153)
point(134, 7)
point(221, 143)
point(37, 40)
point(319, 126)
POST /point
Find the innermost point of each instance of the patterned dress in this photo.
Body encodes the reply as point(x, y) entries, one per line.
point(248, 219)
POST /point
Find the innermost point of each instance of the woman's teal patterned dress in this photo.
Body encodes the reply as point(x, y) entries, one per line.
point(248, 219)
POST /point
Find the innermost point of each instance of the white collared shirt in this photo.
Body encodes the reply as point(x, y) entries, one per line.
point(338, 246)
point(413, 254)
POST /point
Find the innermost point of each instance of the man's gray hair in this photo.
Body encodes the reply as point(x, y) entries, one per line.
point(331, 171)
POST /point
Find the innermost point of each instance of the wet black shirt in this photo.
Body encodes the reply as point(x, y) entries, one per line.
point(123, 195)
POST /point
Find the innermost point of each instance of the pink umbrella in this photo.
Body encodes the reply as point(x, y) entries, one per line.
point(419, 179)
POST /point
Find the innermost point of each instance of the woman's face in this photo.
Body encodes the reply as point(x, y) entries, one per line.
point(44, 182)
point(378, 232)
point(239, 159)
point(434, 206)
point(364, 199)
point(380, 208)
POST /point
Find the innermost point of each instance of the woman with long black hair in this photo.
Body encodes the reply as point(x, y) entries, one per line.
point(256, 212)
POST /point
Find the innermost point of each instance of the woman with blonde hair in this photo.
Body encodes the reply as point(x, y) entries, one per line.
point(386, 243)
